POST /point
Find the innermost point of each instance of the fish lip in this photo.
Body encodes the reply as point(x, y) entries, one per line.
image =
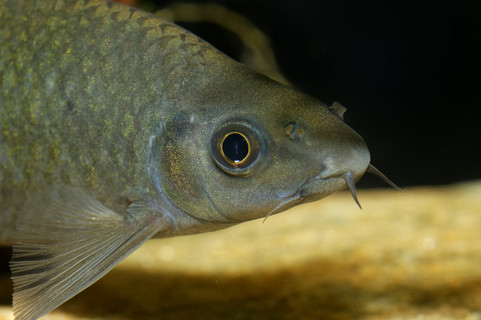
point(308, 191)
point(301, 195)
point(315, 189)
point(330, 183)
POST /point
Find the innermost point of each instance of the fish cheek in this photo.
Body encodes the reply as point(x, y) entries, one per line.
point(176, 170)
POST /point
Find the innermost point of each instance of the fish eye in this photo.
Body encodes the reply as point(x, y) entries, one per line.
point(235, 148)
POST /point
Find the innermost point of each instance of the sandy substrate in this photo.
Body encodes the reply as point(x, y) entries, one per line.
point(411, 255)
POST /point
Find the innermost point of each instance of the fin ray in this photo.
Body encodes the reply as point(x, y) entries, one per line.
point(67, 243)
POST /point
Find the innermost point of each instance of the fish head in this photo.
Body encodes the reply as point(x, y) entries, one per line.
point(255, 150)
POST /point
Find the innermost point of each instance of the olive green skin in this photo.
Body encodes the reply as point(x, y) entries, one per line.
point(102, 97)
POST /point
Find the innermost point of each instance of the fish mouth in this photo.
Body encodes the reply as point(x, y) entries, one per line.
point(320, 186)
point(316, 188)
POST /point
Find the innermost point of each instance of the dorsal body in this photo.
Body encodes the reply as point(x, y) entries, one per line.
point(116, 126)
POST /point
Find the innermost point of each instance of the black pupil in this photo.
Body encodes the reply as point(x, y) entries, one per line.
point(235, 147)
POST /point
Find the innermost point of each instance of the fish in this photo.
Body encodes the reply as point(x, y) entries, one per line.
point(117, 126)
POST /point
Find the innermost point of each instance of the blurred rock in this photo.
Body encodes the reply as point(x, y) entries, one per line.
point(410, 255)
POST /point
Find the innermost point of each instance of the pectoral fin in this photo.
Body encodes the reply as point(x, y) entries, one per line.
point(67, 242)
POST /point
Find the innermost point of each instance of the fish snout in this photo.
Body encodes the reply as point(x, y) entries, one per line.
point(353, 158)
point(344, 164)
point(349, 165)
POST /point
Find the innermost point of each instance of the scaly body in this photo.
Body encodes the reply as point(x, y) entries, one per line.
point(106, 93)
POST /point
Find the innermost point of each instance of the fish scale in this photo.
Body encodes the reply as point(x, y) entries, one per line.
point(39, 66)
